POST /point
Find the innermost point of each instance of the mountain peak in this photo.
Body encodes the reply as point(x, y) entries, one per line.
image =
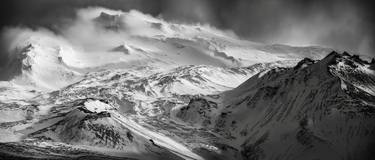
point(304, 63)
point(32, 63)
point(122, 48)
point(108, 21)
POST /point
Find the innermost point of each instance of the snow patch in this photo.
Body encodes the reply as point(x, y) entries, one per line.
point(97, 106)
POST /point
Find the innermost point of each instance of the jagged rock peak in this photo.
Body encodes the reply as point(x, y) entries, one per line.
point(334, 58)
point(303, 63)
point(372, 64)
point(108, 21)
point(106, 16)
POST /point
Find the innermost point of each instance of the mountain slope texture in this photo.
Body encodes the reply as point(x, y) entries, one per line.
point(145, 88)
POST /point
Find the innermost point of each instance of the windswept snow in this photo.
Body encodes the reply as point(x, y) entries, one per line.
point(129, 85)
point(101, 39)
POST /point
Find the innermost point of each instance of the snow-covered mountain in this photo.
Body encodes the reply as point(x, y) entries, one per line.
point(104, 39)
point(38, 61)
point(128, 85)
point(315, 110)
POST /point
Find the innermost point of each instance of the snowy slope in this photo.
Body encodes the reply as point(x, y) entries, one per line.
point(139, 92)
point(316, 110)
point(100, 39)
point(70, 116)
point(129, 85)
point(94, 123)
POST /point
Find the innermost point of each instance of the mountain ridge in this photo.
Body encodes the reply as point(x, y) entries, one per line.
point(126, 84)
point(309, 101)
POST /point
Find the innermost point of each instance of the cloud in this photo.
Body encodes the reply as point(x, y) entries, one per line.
point(14, 41)
point(191, 11)
point(84, 33)
point(342, 24)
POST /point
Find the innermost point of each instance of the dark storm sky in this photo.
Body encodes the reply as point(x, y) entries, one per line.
point(342, 24)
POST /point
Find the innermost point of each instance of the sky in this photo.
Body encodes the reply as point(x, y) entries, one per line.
point(340, 24)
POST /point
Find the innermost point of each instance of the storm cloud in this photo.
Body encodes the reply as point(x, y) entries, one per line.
point(340, 24)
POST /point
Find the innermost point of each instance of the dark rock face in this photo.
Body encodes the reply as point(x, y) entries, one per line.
point(264, 93)
point(312, 108)
point(254, 151)
point(15, 63)
point(372, 64)
point(110, 22)
point(196, 112)
point(306, 62)
point(318, 97)
point(122, 48)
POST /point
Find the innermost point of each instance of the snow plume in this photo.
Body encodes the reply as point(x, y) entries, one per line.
point(88, 36)
point(14, 40)
point(341, 24)
point(77, 37)
point(82, 33)
point(92, 33)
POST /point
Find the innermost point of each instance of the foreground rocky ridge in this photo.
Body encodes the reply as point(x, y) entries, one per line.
point(318, 109)
point(104, 111)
